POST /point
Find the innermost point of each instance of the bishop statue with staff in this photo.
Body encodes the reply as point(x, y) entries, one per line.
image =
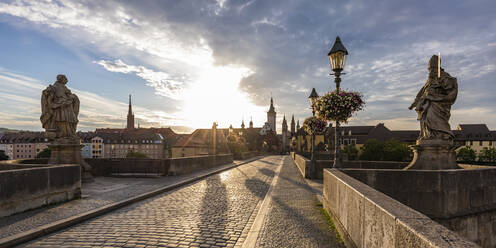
point(433, 103)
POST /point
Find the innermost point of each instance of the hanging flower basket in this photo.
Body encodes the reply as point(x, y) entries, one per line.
point(340, 107)
point(314, 125)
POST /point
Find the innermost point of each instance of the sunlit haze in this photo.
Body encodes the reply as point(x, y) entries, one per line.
point(190, 63)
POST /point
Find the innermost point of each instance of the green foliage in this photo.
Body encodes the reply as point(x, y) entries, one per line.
point(44, 154)
point(331, 223)
point(372, 150)
point(231, 138)
point(271, 140)
point(253, 139)
point(132, 154)
point(3, 156)
point(237, 148)
point(397, 151)
point(351, 152)
point(391, 150)
point(487, 155)
point(466, 154)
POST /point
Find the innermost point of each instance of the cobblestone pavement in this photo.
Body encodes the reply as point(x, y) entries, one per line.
point(294, 218)
point(104, 191)
point(213, 212)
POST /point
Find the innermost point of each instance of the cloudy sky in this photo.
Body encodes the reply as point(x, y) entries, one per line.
point(189, 63)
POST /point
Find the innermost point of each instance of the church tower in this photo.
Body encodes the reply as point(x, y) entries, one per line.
point(284, 135)
point(251, 123)
point(298, 125)
point(130, 116)
point(271, 116)
point(243, 124)
point(293, 131)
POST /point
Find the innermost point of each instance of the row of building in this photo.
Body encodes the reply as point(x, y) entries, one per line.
point(157, 143)
point(476, 136)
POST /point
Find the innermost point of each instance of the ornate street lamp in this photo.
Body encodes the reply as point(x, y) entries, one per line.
point(313, 98)
point(337, 59)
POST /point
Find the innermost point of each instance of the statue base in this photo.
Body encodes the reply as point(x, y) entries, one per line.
point(70, 154)
point(433, 155)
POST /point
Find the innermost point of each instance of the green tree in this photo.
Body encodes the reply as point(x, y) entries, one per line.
point(350, 151)
point(487, 155)
point(237, 148)
point(272, 141)
point(397, 151)
point(45, 153)
point(3, 156)
point(372, 150)
point(466, 154)
point(132, 154)
point(391, 150)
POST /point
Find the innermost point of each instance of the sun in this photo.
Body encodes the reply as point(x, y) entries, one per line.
point(215, 96)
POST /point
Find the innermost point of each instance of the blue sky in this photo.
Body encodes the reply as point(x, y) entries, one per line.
point(189, 63)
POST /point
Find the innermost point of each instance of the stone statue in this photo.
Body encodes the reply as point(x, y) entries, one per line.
point(59, 111)
point(433, 103)
point(435, 148)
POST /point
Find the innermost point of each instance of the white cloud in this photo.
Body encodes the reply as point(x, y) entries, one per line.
point(162, 82)
point(109, 26)
point(22, 95)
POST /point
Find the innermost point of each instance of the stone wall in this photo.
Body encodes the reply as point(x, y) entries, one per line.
point(368, 218)
point(374, 164)
point(27, 188)
point(179, 166)
point(114, 166)
point(303, 165)
point(245, 155)
point(159, 167)
point(462, 200)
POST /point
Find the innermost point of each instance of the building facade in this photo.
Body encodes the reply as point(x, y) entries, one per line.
point(475, 136)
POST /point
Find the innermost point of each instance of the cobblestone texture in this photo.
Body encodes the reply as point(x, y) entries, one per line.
point(104, 191)
point(210, 213)
point(294, 218)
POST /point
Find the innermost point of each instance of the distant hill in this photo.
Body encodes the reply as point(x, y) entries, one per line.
point(6, 130)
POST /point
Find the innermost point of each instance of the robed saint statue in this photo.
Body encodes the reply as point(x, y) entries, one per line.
point(59, 111)
point(433, 103)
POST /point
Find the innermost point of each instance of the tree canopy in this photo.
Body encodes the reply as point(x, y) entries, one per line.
point(391, 150)
point(45, 153)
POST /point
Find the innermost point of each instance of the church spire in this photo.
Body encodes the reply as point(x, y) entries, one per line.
point(293, 131)
point(271, 108)
point(130, 115)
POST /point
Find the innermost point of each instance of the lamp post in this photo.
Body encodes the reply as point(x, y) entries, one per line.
point(337, 59)
point(313, 98)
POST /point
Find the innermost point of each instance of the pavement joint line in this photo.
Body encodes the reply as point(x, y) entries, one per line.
point(251, 240)
point(46, 229)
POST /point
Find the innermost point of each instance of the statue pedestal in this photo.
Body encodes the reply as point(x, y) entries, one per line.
point(433, 155)
point(70, 154)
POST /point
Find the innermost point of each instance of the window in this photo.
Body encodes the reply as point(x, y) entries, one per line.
point(346, 142)
point(490, 143)
point(480, 143)
point(353, 141)
point(471, 142)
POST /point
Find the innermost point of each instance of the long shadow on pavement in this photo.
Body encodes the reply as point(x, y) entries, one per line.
point(214, 212)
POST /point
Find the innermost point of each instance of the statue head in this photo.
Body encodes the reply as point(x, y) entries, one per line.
point(433, 64)
point(61, 79)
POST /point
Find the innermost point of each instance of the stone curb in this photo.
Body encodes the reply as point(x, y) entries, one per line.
point(43, 230)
